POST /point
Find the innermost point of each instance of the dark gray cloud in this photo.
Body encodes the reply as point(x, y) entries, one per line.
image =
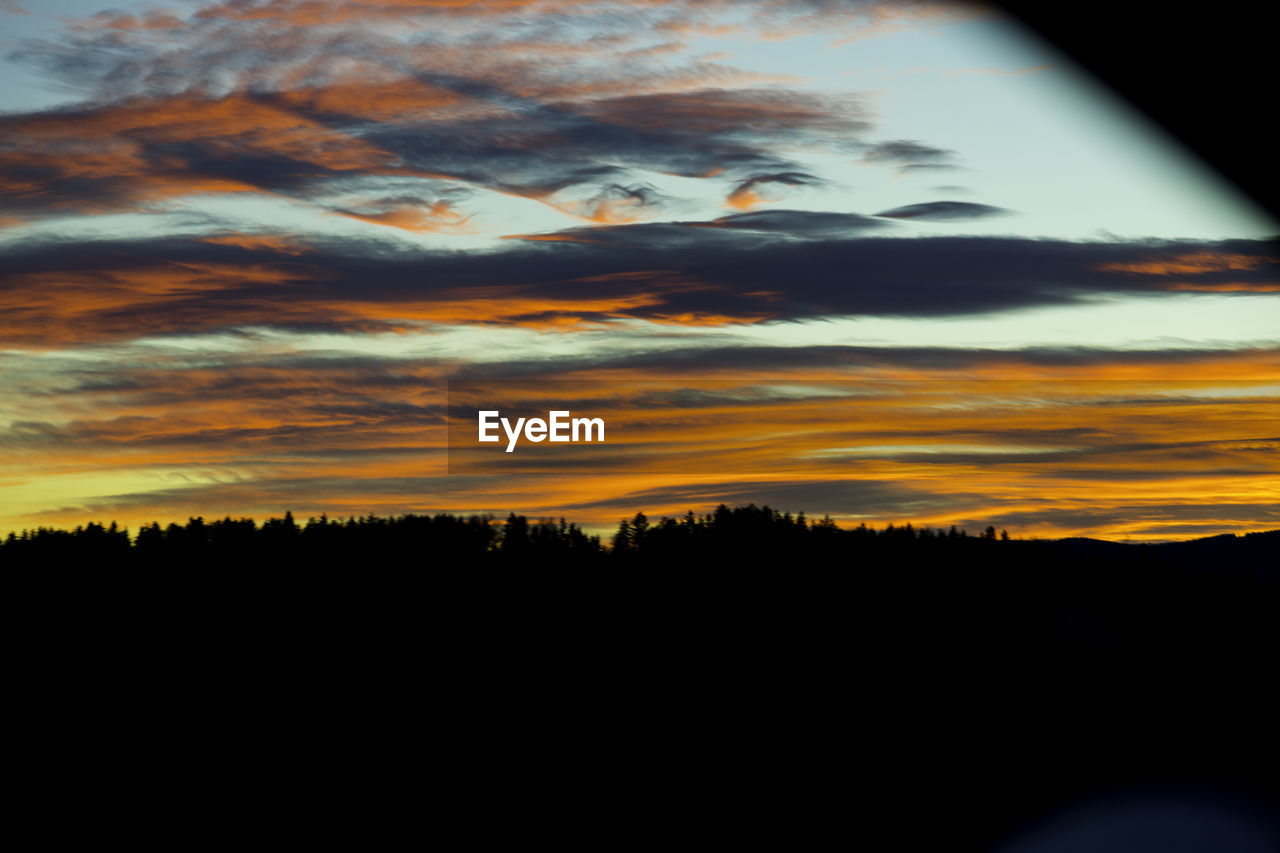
point(910, 155)
point(780, 225)
point(534, 148)
point(645, 271)
point(745, 195)
point(728, 356)
point(509, 143)
point(903, 151)
point(797, 223)
point(944, 211)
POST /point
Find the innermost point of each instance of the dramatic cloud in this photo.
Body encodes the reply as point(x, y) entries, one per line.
point(525, 99)
point(739, 269)
point(241, 264)
point(145, 151)
point(332, 433)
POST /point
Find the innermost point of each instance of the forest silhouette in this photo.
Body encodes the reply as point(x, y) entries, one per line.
point(975, 680)
point(1208, 603)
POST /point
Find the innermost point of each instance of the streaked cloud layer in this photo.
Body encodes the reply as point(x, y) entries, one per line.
point(245, 244)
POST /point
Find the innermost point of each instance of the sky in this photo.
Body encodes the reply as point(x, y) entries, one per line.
point(886, 261)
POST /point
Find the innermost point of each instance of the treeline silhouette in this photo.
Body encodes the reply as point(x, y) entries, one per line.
point(756, 536)
point(323, 541)
point(1211, 600)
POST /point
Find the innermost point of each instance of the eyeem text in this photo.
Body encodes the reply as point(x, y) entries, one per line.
point(558, 426)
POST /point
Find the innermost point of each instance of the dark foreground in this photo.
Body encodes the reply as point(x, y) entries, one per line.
point(744, 670)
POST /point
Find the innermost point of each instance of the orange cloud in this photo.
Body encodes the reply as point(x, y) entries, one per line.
point(54, 309)
point(503, 305)
point(48, 310)
point(1227, 287)
point(233, 438)
point(744, 198)
point(124, 21)
point(250, 122)
point(436, 217)
point(281, 243)
point(393, 100)
point(122, 156)
point(553, 237)
point(1191, 263)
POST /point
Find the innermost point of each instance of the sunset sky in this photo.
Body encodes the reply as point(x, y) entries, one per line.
point(888, 261)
